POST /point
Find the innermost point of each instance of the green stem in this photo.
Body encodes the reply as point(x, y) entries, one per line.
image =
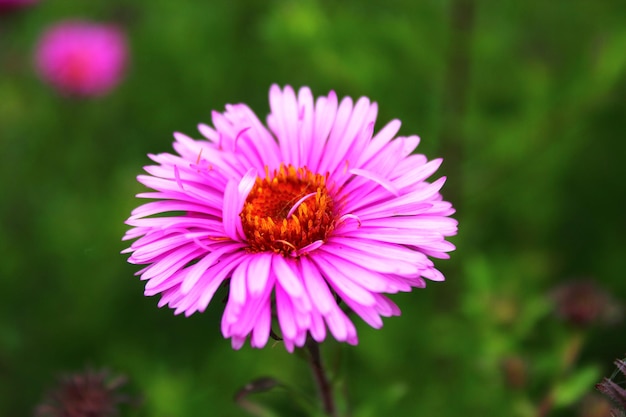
point(569, 359)
point(321, 380)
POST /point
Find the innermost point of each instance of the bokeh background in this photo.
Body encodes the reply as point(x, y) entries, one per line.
point(525, 101)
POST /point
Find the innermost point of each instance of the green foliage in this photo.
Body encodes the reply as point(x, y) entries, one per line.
point(531, 132)
point(574, 387)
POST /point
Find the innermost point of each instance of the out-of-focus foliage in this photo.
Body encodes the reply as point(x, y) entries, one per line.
point(523, 100)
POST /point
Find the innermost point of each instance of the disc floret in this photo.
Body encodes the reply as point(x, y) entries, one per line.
point(288, 210)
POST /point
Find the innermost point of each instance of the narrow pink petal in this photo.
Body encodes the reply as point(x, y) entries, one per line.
point(261, 331)
point(300, 337)
point(234, 198)
point(363, 137)
point(237, 288)
point(237, 342)
point(433, 275)
point(411, 203)
point(317, 329)
point(390, 251)
point(187, 173)
point(377, 143)
point(342, 118)
point(371, 262)
point(367, 313)
point(398, 236)
point(172, 262)
point(418, 174)
point(188, 303)
point(157, 207)
point(310, 247)
point(192, 150)
point(200, 269)
point(285, 271)
point(153, 287)
point(437, 248)
point(284, 108)
point(241, 319)
point(285, 312)
point(302, 317)
point(305, 122)
point(247, 182)
point(298, 203)
point(208, 132)
point(261, 139)
point(226, 130)
point(386, 307)
point(230, 316)
point(338, 279)
point(289, 345)
point(342, 140)
point(259, 272)
point(219, 273)
point(147, 253)
point(169, 295)
point(187, 145)
point(363, 276)
point(383, 182)
point(325, 115)
point(191, 193)
point(340, 326)
point(444, 225)
point(386, 161)
point(318, 291)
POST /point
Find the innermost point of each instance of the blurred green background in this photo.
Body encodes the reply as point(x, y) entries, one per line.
point(525, 101)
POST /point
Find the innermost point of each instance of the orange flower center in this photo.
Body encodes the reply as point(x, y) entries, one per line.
point(287, 211)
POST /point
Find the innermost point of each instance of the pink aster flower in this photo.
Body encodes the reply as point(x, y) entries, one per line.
point(82, 58)
point(305, 220)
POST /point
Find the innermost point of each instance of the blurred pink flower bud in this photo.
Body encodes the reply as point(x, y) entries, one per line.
point(85, 394)
point(11, 5)
point(82, 58)
point(584, 303)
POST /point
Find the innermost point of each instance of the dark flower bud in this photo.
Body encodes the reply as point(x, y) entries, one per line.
point(583, 303)
point(86, 394)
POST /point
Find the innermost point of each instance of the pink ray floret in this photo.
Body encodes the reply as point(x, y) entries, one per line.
point(304, 220)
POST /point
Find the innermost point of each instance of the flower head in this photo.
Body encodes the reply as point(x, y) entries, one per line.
point(82, 58)
point(85, 394)
point(301, 220)
point(615, 392)
point(583, 303)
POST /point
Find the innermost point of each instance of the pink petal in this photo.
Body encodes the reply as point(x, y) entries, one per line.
point(258, 272)
point(338, 279)
point(287, 276)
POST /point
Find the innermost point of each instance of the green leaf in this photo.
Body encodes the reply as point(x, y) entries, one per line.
point(576, 385)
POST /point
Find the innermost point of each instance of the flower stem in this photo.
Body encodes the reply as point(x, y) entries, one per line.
point(319, 374)
point(570, 356)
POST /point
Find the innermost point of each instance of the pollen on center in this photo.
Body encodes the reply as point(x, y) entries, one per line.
point(288, 210)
